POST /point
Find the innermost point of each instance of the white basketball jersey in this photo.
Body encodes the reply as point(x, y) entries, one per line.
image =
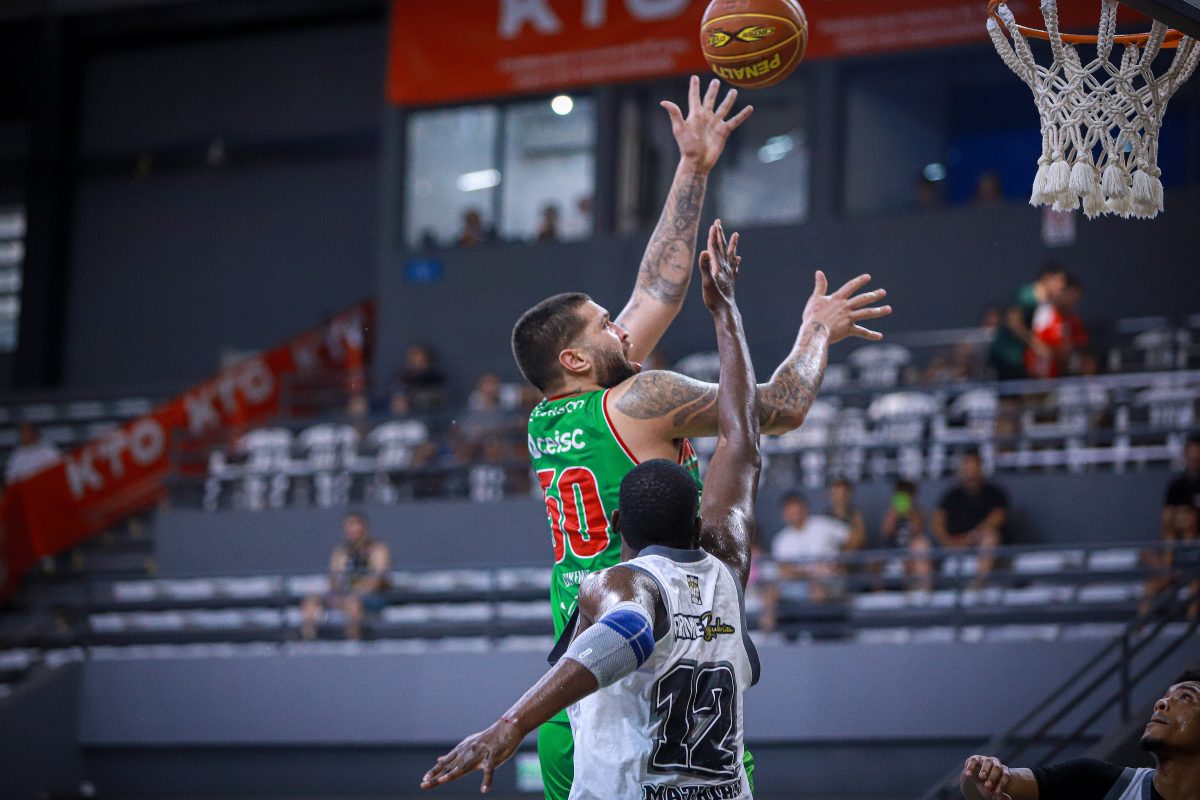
point(672, 730)
point(1134, 784)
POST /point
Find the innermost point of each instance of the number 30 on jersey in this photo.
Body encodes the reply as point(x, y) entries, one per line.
point(577, 511)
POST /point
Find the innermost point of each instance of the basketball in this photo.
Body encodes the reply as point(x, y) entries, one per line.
point(753, 43)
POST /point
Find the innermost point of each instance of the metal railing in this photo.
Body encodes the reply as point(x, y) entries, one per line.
point(1084, 691)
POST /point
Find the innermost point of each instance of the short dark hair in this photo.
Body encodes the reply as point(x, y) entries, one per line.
point(358, 515)
point(1193, 438)
point(842, 480)
point(971, 452)
point(1191, 675)
point(541, 334)
point(1052, 268)
point(793, 497)
point(658, 501)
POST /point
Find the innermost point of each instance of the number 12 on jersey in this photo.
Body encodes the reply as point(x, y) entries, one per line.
point(575, 509)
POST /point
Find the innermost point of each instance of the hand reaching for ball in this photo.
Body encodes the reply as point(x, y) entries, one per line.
point(702, 134)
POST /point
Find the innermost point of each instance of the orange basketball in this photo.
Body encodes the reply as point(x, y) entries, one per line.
point(753, 43)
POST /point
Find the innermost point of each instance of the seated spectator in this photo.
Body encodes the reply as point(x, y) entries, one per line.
point(1007, 353)
point(972, 515)
point(803, 552)
point(31, 456)
point(420, 386)
point(1181, 528)
point(473, 231)
point(357, 574)
point(842, 508)
point(1184, 490)
point(903, 529)
point(486, 414)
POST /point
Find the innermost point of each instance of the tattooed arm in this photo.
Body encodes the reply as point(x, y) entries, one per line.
point(659, 404)
point(666, 268)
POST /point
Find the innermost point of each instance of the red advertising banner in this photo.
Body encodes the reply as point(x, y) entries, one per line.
point(124, 471)
point(441, 52)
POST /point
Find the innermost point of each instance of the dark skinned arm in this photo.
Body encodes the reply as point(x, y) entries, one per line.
point(727, 509)
point(565, 684)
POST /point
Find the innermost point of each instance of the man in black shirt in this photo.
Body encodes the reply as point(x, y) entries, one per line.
point(1185, 489)
point(972, 514)
point(1172, 737)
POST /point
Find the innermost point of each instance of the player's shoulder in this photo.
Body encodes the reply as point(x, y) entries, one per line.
point(651, 381)
point(615, 584)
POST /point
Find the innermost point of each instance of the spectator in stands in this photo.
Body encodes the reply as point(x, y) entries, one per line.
point(1181, 528)
point(1057, 325)
point(357, 575)
point(989, 191)
point(473, 231)
point(32, 455)
point(1007, 353)
point(926, 193)
point(420, 386)
point(486, 414)
point(841, 508)
point(548, 229)
point(1184, 490)
point(903, 529)
point(804, 553)
point(972, 515)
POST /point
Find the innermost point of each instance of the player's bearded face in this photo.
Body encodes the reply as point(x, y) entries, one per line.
point(612, 366)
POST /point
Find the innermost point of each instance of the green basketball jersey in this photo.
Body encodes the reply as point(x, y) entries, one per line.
point(580, 460)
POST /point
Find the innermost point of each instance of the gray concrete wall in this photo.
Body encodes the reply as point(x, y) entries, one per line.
point(808, 693)
point(39, 751)
point(942, 268)
point(1068, 509)
point(827, 720)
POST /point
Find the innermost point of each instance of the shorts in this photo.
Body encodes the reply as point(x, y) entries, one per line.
point(370, 602)
point(556, 752)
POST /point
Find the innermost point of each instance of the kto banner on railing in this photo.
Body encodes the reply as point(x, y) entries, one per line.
point(124, 471)
point(444, 52)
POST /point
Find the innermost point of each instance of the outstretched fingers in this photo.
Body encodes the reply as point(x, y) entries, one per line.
point(866, 333)
point(734, 122)
point(853, 285)
point(727, 104)
point(486, 786)
point(674, 113)
point(820, 284)
point(710, 95)
point(867, 298)
point(693, 94)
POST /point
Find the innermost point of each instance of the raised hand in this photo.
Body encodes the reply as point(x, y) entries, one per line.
point(990, 776)
point(719, 268)
point(842, 311)
point(701, 135)
point(483, 751)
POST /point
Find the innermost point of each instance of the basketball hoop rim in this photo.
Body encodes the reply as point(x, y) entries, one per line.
point(1172, 39)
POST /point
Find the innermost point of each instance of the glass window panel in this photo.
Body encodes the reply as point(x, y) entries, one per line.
point(452, 172)
point(763, 176)
point(549, 163)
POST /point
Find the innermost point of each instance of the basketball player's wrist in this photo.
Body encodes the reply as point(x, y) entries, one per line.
point(692, 166)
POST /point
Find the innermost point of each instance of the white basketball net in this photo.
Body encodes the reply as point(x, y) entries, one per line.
point(1100, 120)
